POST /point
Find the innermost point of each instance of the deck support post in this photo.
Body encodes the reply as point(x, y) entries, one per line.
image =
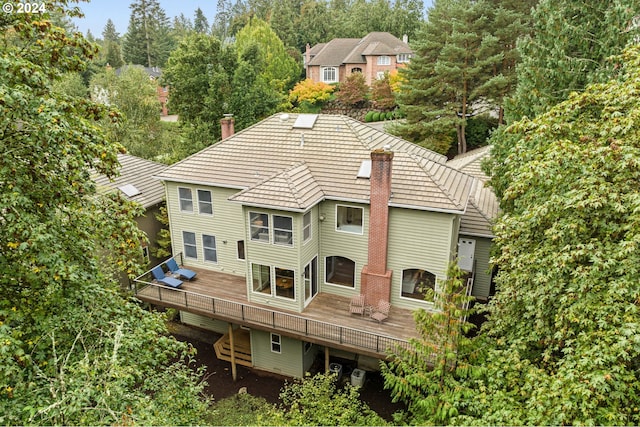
point(234, 373)
point(326, 359)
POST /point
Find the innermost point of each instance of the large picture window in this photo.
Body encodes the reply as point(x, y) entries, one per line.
point(283, 230)
point(209, 248)
point(205, 204)
point(329, 74)
point(190, 246)
point(186, 199)
point(340, 271)
point(417, 282)
point(349, 219)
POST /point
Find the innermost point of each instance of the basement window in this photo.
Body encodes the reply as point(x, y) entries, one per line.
point(276, 343)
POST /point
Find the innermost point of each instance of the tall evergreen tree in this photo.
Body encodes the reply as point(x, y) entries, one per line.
point(568, 49)
point(200, 22)
point(181, 27)
point(148, 40)
point(444, 78)
point(111, 45)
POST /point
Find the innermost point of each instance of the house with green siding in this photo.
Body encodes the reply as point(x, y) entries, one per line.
point(286, 221)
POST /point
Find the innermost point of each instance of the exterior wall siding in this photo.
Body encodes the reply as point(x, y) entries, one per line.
point(338, 243)
point(226, 224)
point(288, 362)
point(204, 322)
point(418, 239)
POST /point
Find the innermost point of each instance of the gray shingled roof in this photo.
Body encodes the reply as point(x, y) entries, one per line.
point(137, 172)
point(353, 51)
point(275, 163)
point(483, 204)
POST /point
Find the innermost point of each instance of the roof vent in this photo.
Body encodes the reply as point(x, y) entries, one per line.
point(305, 121)
point(302, 140)
point(129, 190)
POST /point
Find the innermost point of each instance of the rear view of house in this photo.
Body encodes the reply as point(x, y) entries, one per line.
point(289, 220)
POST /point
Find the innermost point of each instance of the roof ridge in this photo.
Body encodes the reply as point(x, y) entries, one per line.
point(474, 202)
point(437, 181)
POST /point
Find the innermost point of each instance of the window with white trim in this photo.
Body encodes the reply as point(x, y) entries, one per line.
point(306, 226)
point(186, 199)
point(384, 60)
point(190, 246)
point(276, 343)
point(403, 57)
point(261, 277)
point(340, 271)
point(329, 74)
point(209, 248)
point(205, 203)
point(259, 226)
point(380, 75)
point(285, 283)
point(349, 219)
point(418, 284)
point(283, 230)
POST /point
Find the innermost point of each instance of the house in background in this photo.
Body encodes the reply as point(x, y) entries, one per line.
point(476, 226)
point(154, 74)
point(289, 219)
point(136, 183)
point(373, 55)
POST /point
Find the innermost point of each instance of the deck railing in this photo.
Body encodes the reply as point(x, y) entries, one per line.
point(251, 315)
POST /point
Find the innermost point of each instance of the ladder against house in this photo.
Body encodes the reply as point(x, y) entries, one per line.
point(242, 344)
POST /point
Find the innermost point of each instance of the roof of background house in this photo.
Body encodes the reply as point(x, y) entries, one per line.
point(153, 72)
point(279, 165)
point(483, 203)
point(353, 51)
point(135, 180)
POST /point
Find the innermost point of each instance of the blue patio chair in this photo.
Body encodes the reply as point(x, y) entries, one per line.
point(183, 272)
point(158, 274)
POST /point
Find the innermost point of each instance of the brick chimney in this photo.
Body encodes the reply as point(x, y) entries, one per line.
point(226, 124)
point(375, 278)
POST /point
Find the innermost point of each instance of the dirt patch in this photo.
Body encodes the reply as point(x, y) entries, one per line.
point(266, 384)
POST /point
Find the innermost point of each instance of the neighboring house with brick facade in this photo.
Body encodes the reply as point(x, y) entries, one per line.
point(372, 55)
point(289, 219)
point(154, 74)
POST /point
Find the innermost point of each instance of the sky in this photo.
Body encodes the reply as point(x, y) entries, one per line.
point(97, 12)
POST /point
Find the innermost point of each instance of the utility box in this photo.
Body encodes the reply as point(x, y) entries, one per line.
point(357, 377)
point(336, 368)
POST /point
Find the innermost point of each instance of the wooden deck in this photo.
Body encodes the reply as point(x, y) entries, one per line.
point(325, 321)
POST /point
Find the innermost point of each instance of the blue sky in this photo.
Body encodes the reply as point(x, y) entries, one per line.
point(97, 12)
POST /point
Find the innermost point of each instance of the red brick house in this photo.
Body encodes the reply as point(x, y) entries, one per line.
point(372, 55)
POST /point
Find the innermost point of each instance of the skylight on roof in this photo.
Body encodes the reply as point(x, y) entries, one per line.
point(129, 190)
point(365, 169)
point(305, 121)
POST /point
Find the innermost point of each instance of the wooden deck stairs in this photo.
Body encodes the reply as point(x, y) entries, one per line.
point(242, 344)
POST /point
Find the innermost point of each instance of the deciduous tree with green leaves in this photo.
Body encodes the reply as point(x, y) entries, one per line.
point(74, 351)
point(431, 376)
point(564, 326)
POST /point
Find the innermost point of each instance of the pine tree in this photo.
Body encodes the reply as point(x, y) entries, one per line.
point(148, 40)
point(111, 45)
point(200, 22)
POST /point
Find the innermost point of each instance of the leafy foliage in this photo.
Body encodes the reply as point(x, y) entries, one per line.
point(430, 376)
point(353, 90)
point(241, 410)
point(73, 350)
point(310, 92)
point(382, 92)
point(564, 333)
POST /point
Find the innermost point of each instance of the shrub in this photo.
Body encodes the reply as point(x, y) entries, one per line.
point(375, 117)
point(382, 94)
point(310, 92)
point(369, 116)
point(389, 115)
point(353, 90)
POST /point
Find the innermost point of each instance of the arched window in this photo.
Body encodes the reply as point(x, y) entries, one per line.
point(416, 282)
point(356, 70)
point(329, 74)
point(340, 271)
